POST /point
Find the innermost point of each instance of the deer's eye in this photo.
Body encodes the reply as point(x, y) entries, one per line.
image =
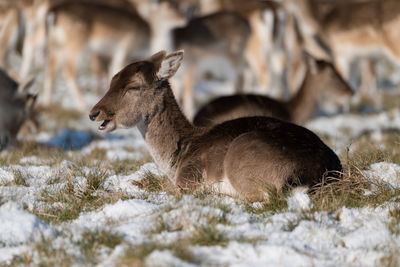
point(133, 88)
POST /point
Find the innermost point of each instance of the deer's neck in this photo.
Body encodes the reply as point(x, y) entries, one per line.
point(166, 130)
point(303, 105)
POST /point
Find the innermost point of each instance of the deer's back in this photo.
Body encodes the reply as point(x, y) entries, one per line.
point(224, 29)
point(109, 17)
point(281, 143)
point(352, 15)
point(236, 106)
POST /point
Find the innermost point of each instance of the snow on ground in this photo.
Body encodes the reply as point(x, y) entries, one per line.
point(346, 127)
point(296, 237)
point(235, 234)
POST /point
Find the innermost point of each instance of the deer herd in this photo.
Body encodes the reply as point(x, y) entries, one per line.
point(244, 144)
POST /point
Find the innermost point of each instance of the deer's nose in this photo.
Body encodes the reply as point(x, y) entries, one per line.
point(94, 115)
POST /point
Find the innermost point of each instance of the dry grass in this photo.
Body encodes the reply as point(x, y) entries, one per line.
point(27, 149)
point(136, 255)
point(155, 184)
point(68, 202)
point(351, 189)
point(90, 246)
point(62, 117)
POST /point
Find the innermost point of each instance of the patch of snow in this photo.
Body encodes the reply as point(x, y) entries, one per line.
point(80, 184)
point(385, 172)
point(18, 226)
point(123, 183)
point(129, 217)
point(32, 160)
point(123, 155)
point(35, 175)
point(6, 176)
point(245, 254)
point(299, 200)
point(8, 253)
point(165, 258)
point(343, 128)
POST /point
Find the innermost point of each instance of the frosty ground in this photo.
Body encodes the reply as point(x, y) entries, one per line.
point(108, 204)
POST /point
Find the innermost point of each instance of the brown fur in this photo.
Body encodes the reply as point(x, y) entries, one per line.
point(249, 153)
point(16, 107)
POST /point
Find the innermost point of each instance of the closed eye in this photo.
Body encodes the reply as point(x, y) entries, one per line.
point(131, 88)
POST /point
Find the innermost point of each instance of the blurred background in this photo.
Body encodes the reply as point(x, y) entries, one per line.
point(65, 52)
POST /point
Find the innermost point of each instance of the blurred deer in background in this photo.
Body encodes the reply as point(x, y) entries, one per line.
point(204, 38)
point(214, 49)
point(16, 108)
point(11, 32)
point(245, 157)
point(23, 33)
point(112, 32)
point(34, 41)
point(321, 78)
point(211, 40)
point(349, 30)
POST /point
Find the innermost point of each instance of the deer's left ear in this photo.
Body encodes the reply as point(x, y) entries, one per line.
point(24, 87)
point(169, 65)
point(158, 57)
point(310, 62)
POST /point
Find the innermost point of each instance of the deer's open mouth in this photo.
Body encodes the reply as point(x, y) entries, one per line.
point(104, 125)
point(107, 126)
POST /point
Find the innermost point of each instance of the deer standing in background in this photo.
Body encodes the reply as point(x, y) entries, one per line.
point(245, 157)
point(113, 33)
point(211, 38)
point(23, 32)
point(11, 32)
point(16, 107)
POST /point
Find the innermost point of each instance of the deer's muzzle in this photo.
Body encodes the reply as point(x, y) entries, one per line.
point(94, 115)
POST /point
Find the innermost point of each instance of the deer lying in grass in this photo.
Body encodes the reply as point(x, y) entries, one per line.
point(351, 30)
point(16, 106)
point(321, 77)
point(243, 157)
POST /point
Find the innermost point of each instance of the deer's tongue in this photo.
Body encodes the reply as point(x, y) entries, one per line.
point(104, 125)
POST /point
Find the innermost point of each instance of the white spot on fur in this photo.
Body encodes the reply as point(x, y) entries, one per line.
point(224, 187)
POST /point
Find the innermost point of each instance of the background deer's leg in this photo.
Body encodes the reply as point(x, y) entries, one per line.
point(119, 59)
point(51, 67)
point(187, 95)
point(98, 71)
point(70, 71)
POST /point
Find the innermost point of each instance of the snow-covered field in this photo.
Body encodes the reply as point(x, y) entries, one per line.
point(97, 205)
point(108, 204)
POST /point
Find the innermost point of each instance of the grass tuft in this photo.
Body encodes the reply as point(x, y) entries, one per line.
point(155, 183)
point(19, 178)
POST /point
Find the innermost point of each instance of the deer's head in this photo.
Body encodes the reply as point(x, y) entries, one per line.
point(16, 105)
point(327, 77)
point(135, 91)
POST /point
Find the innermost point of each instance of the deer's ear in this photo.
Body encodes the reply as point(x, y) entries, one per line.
point(169, 65)
point(158, 57)
point(310, 62)
point(24, 87)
